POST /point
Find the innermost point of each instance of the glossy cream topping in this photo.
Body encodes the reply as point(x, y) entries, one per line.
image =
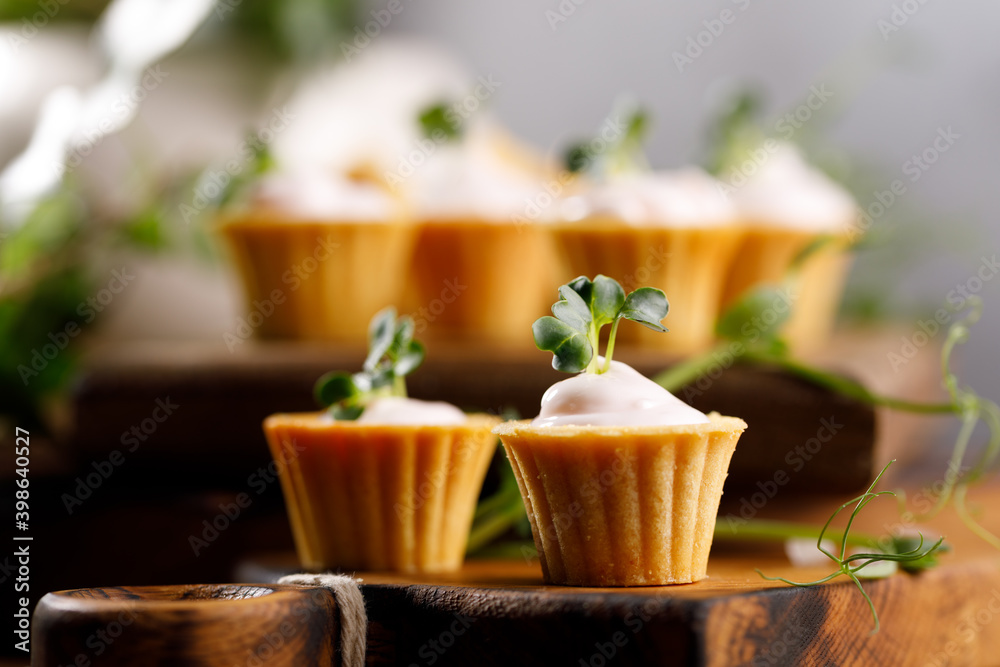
point(398, 410)
point(682, 198)
point(323, 196)
point(475, 177)
point(620, 397)
point(788, 192)
point(363, 109)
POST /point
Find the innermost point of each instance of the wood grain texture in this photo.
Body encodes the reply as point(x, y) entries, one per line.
point(214, 387)
point(501, 612)
point(200, 625)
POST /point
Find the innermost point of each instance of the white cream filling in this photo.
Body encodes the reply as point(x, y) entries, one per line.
point(681, 198)
point(789, 192)
point(410, 411)
point(620, 397)
point(323, 196)
point(472, 178)
point(363, 110)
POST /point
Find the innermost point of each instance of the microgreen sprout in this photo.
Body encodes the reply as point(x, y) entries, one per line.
point(621, 153)
point(734, 133)
point(585, 306)
point(392, 355)
point(907, 553)
point(260, 162)
point(439, 120)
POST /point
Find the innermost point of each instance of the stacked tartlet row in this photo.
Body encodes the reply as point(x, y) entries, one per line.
point(467, 241)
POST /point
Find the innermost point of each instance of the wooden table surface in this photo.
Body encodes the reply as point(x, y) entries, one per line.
point(501, 612)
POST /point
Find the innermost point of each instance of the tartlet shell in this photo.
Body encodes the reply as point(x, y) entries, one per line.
point(622, 506)
point(380, 497)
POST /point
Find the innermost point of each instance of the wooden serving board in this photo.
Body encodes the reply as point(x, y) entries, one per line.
point(502, 613)
point(223, 397)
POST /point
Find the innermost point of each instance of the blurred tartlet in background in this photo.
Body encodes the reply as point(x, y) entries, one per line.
point(786, 207)
point(482, 262)
point(673, 230)
point(312, 250)
point(433, 206)
point(424, 197)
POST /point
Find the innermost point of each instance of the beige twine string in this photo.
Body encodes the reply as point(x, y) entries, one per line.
point(353, 618)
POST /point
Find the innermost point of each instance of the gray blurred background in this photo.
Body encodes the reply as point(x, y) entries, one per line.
point(897, 74)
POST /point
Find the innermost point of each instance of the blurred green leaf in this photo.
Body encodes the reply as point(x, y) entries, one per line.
point(435, 119)
point(759, 314)
point(335, 387)
point(47, 230)
point(734, 133)
point(146, 230)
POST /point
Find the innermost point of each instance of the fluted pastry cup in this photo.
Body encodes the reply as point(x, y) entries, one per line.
point(766, 254)
point(622, 506)
point(480, 280)
point(687, 263)
point(318, 279)
point(380, 497)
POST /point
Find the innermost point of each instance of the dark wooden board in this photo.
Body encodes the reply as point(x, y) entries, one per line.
point(197, 625)
point(501, 613)
point(221, 400)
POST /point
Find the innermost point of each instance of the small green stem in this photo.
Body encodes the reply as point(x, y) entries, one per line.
point(763, 529)
point(850, 387)
point(611, 346)
point(686, 372)
point(972, 524)
point(502, 498)
point(954, 468)
point(593, 335)
point(488, 528)
point(991, 415)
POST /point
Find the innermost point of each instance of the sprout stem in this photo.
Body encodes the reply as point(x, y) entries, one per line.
point(686, 372)
point(764, 529)
point(611, 347)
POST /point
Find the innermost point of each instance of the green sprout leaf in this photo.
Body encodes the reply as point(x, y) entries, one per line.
point(623, 153)
point(392, 355)
point(762, 311)
point(334, 387)
point(572, 310)
point(381, 334)
point(647, 306)
point(734, 133)
point(637, 126)
point(571, 351)
point(261, 162)
point(577, 158)
point(603, 298)
point(435, 120)
point(577, 295)
point(585, 306)
point(409, 358)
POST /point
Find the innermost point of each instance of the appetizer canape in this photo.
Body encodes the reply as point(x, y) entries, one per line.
point(621, 480)
point(380, 481)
